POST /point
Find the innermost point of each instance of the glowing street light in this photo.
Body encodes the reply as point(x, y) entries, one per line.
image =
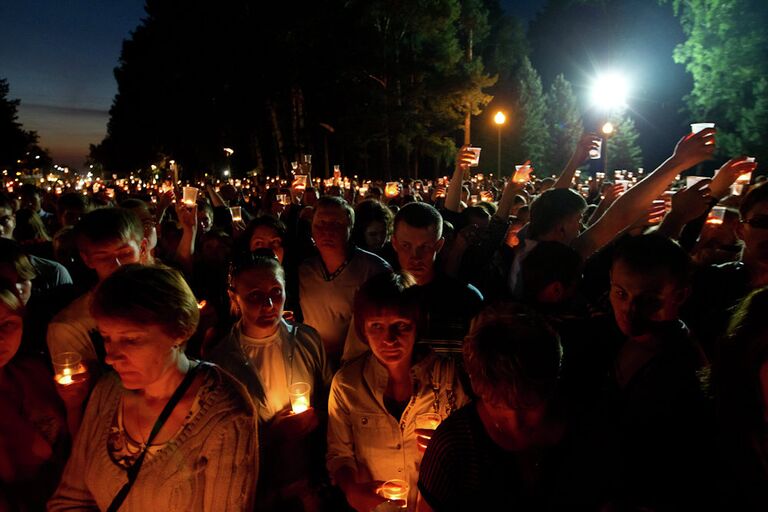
point(499, 119)
point(609, 91)
point(608, 129)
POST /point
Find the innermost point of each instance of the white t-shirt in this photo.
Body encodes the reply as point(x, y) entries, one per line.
point(266, 357)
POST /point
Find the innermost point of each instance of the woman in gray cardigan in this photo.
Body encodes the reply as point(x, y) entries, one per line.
point(204, 456)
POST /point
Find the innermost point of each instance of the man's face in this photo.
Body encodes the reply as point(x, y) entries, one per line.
point(106, 257)
point(417, 249)
point(31, 202)
point(641, 300)
point(755, 238)
point(204, 220)
point(571, 228)
point(7, 223)
point(330, 227)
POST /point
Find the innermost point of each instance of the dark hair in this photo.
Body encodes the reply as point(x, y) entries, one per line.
point(268, 221)
point(6, 201)
point(71, 201)
point(476, 212)
point(337, 202)
point(108, 224)
point(547, 263)
point(29, 226)
point(512, 356)
point(11, 253)
point(388, 291)
point(551, 208)
point(647, 254)
point(737, 371)
point(758, 194)
point(29, 189)
point(420, 215)
point(369, 211)
point(258, 259)
point(148, 295)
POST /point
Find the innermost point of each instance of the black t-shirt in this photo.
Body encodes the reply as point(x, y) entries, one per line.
point(448, 305)
point(463, 469)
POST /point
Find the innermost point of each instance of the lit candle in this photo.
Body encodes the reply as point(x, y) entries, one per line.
point(237, 214)
point(190, 195)
point(65, 366)
point(299, 396)
point(395, 490)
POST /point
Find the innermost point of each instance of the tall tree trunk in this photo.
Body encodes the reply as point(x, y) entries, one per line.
point(295, 92)
point(256, 153)
point(468, 116)
point(278, 134)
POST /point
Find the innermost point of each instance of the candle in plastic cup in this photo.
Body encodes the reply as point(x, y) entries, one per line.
point(473, 199)
point(429, 421)
point(294, 165)
point(190, 196)
point(65, 365)
point(395, 490)
point(283, 199)
point(237, 213)
point(744, 178)
point(697, 127)
point(476, 159)
point(692, 180)
point(716, 215)
point(300, 183)
point(392, 189)
point(299, 395)
point(595, 153)
point(337, 171)
point(737, 189)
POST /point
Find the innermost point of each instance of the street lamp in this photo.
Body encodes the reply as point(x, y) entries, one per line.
point(499, 119)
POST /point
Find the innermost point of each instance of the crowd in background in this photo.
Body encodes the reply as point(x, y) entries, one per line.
point(536, 341)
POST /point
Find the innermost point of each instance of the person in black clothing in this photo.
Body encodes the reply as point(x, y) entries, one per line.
point(717, 289)
point(644, 368)
point(448, 303)
point(510, 446)
point(741, 381)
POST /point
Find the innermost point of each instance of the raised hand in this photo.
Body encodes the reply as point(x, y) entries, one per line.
point(523, 174)
point(691, 203)
point(695, 148)
point(729, 173)
point(587, 143)
point(464, 158)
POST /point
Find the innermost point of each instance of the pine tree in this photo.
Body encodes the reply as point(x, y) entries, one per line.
point(623, 149)
point(15, 141)
point(532, 110)
point(564, 123)
point(725, 52)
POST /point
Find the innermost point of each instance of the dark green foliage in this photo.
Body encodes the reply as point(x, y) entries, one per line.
point(623, 149)
point(726, 52)
point(18, 147)
point(564, 123)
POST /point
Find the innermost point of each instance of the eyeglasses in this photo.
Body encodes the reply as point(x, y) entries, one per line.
point(759, 222)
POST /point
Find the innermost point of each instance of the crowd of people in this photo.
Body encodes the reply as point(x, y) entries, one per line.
point(530, 342)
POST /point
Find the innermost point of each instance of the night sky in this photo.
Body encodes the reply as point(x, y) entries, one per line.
point(59, 56)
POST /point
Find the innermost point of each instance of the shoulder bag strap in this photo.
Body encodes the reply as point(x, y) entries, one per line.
point(133, 471)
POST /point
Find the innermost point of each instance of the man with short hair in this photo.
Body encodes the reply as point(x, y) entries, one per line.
point(448, 304)
point(106, 238)
point(328, 281)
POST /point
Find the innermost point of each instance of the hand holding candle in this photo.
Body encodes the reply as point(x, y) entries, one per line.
point(67, 366)
point(396, 493)
point(426, 424)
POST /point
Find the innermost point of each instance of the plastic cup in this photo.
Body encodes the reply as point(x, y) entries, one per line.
point(237, 213)
point(283, 199)
point(744, 178)
point(473, 199)
point(189, 196)
point(697, 127)
point(300, 183)
point(299, 395)
point(476, 159)
point(595, 153)
point(395, 490)
point(716, 215)
point(693, 180)
point(65, 365)
point(392, 189)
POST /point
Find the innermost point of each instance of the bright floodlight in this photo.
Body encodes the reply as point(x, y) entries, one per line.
point(500, 118)
point(609, 91)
